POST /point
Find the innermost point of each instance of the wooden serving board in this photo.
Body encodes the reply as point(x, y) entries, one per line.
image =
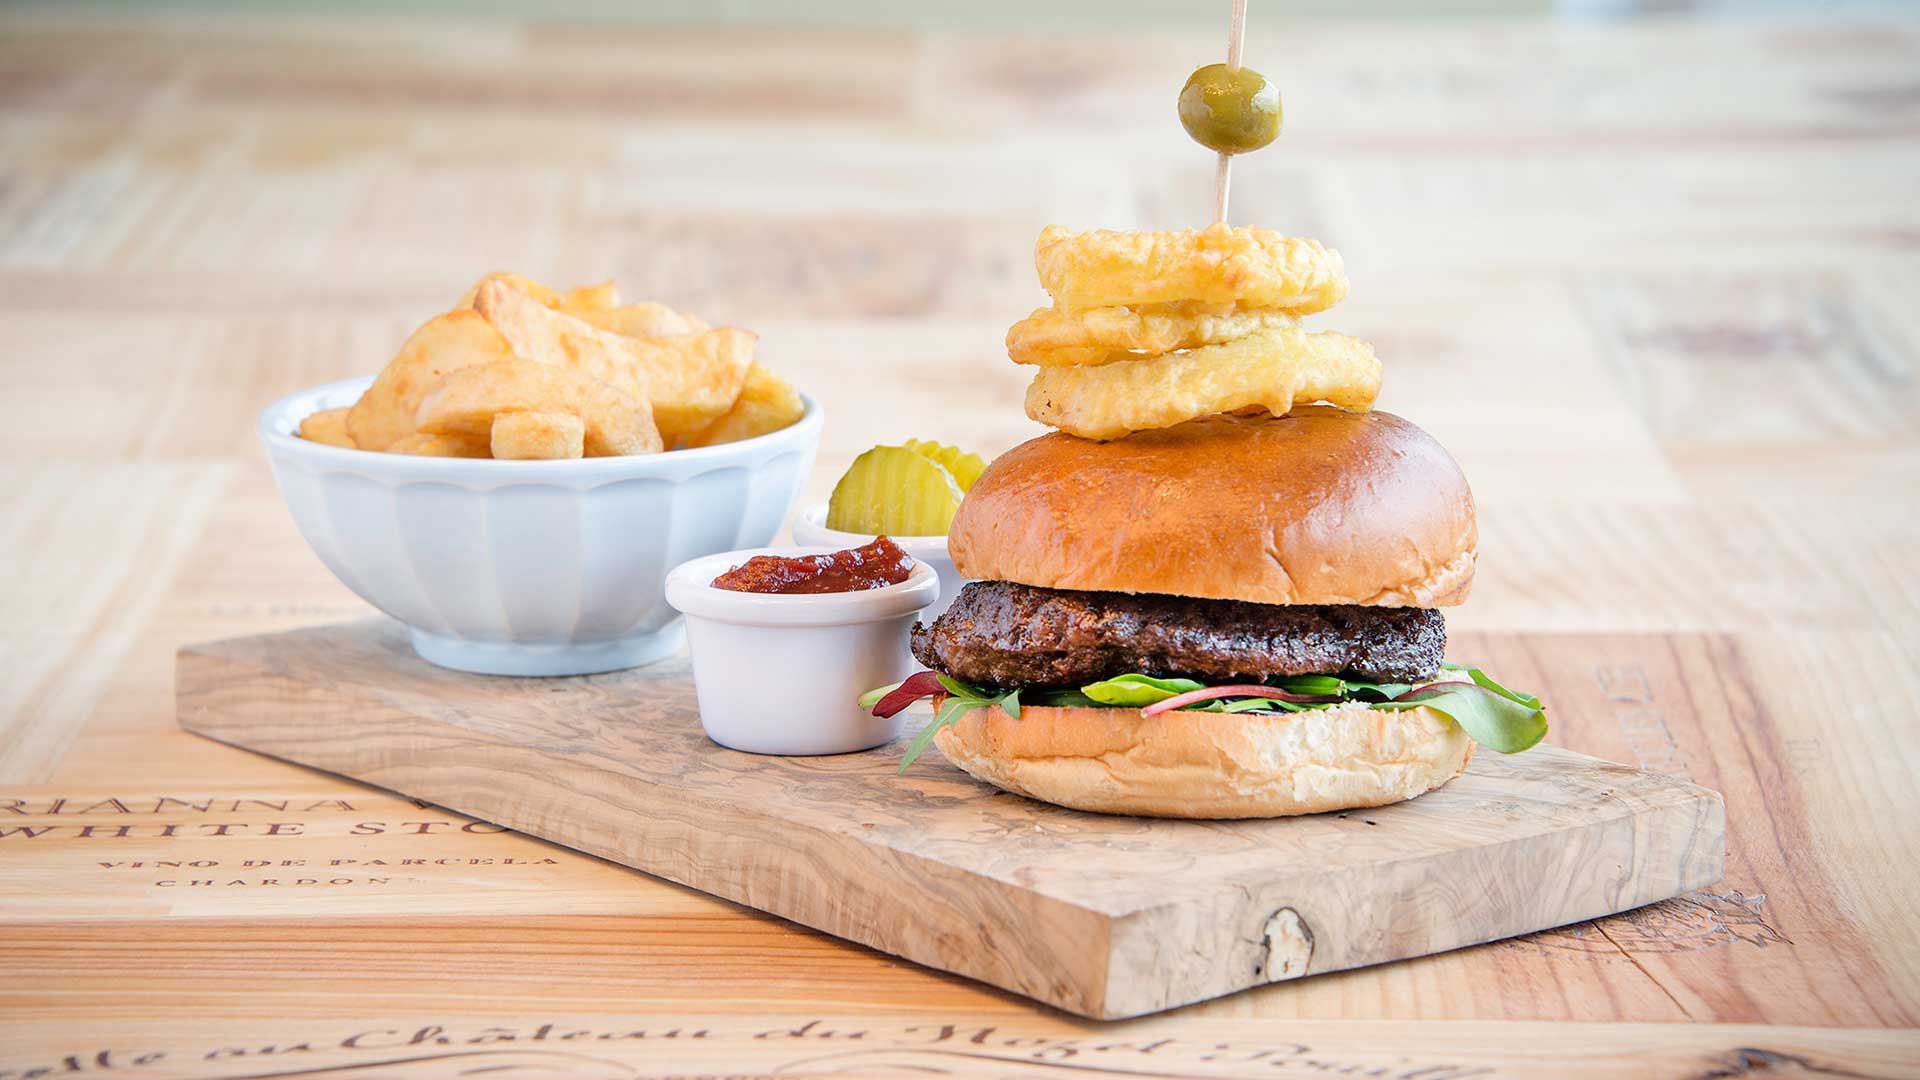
point(1103, 916)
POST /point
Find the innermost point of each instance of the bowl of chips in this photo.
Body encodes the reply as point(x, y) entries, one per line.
point(632, 452)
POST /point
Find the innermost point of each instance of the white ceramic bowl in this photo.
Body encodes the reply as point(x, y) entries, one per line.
point(811, 528)
point(529, 567)
point(783, 674)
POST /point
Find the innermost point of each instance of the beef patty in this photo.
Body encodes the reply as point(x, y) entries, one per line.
point(998, 633)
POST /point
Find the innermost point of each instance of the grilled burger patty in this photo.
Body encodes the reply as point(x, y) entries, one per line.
point(998, 633)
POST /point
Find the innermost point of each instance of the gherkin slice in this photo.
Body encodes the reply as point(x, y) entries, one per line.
point(965, 467)
point(891, 489)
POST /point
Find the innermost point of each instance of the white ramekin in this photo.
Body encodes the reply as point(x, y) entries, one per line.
point(811, 528)
point(783, 674)
point(529, 567)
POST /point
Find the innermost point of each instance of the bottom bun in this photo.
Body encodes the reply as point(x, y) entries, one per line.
point(1188, 764)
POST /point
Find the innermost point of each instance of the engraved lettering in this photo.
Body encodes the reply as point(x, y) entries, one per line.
point(359, 1041)
point(1627, 685)
point(86, 831)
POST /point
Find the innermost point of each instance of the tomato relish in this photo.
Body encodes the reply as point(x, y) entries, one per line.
point(873, 566)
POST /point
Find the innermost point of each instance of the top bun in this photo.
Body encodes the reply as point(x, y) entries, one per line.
point(1320, 506)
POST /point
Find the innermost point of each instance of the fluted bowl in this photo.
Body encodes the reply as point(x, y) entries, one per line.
point(529, 567)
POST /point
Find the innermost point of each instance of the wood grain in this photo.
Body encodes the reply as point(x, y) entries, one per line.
point(783, 1041)
point(1103, 916)
point(1649, 281)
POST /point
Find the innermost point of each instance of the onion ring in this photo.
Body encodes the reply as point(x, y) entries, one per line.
point(1272, 370)
point(1221, 264)
point(1054, 338)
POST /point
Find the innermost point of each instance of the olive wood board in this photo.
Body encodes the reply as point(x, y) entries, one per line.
point(1106, 917)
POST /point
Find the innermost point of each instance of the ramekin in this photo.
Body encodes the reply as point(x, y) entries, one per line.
point(529, 567)
point(783, 673)
point(811, 528)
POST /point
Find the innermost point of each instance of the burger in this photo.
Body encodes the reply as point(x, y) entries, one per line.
point(1237, 616)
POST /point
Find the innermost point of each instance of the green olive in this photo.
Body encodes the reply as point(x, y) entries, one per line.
point(1231, 110)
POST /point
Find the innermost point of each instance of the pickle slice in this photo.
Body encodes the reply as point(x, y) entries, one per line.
point(965, 467)
point(893, 490)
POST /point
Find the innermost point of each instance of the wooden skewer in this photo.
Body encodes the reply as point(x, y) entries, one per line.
point(1223, 176)
point(1222, 184)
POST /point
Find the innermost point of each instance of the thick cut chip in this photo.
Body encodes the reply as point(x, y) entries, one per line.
point(545, 336)
point(523, 285)
point(767, 403)
point(1051, 337)
point(602, 297)
point(1221, 264)
point(690, 380)
point(1273, 370)
point(328, 426)
point(424, 444)
point(644, 320)
point(466, 402)
point(457, 339)
point(891, 489)
point(693, 380)
point(600, 305)
point(538, 436)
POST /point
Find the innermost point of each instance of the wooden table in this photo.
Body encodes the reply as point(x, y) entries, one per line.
point(1653, 284)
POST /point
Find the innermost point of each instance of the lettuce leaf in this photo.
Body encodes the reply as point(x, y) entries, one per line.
point(962, 698)
point(1134, 691)
point(1315, 685)
point(1495, 720)
point(1480, 678)
point(1492, 715)
point(872, 697)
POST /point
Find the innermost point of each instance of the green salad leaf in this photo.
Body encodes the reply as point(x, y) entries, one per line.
point(1134, 691)
point(1491, 714)
point(1371, 691)
point(1072, 699)
point(1254, 704)
point(962, 698)
point(1481, 678)
point(1496, 721)
point(1313, 685)
point(872, 697)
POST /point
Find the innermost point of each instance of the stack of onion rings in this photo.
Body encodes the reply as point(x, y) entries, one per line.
point(1151, 329)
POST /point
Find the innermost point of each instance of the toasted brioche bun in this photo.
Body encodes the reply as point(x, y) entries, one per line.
point(1186, 764)
point(1317, 507)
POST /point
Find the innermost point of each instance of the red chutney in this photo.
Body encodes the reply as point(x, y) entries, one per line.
point(874, 566)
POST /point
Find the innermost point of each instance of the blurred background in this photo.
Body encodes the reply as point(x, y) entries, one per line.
point(1057, 15)
point(1646, 269)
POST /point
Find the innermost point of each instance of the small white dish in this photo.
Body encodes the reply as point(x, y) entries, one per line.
point(783, 673)
point(811, 528)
